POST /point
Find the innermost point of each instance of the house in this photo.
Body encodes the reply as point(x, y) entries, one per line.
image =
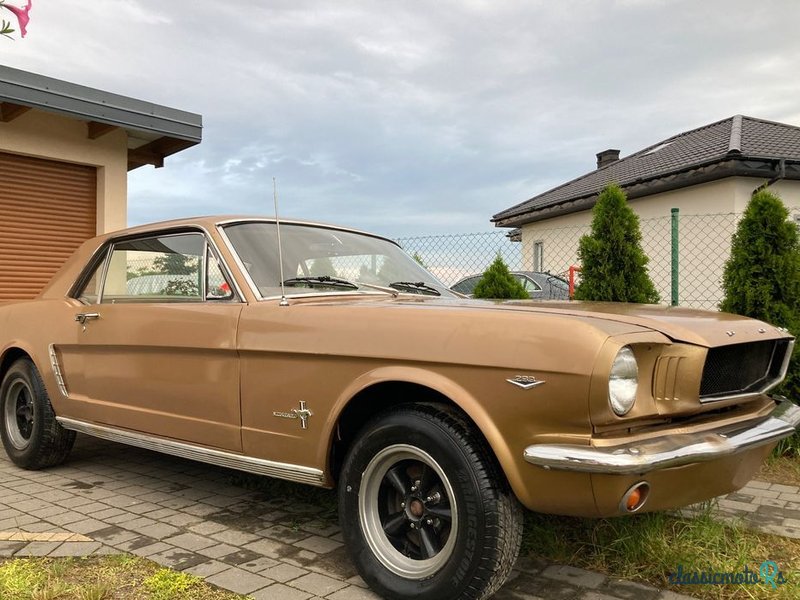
point(65, 151)
point(708, 174)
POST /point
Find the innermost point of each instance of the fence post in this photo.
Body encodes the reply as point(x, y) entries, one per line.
point(675, 270)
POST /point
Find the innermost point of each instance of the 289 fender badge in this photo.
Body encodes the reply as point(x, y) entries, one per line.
point(526, 382)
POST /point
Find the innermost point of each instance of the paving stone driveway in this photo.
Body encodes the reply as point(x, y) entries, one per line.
point(111, 498)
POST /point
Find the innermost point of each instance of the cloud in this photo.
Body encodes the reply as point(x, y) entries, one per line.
point(413, 118)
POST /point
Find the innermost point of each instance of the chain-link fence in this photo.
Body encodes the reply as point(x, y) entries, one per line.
point(703, 246)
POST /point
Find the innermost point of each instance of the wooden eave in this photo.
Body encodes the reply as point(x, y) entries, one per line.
point(10, 111)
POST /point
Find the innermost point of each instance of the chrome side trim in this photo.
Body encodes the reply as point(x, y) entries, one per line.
point(62, 387)
point(669, 450)
point(221, 458)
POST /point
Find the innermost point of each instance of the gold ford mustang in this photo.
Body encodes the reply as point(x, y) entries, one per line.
point(332, 358)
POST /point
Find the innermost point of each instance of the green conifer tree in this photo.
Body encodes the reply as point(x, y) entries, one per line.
point(498, 283)
point(612, 260)
point(322, 266)
point(762, 275)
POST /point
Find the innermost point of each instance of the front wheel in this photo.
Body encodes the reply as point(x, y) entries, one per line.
point(425, 510)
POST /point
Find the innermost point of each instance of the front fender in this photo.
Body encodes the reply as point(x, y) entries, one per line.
point(444, 386)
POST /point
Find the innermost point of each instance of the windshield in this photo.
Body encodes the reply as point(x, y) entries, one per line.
point(322, 260)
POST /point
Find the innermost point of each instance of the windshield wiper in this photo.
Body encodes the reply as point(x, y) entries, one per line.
point(419, 286)
point(323, 281)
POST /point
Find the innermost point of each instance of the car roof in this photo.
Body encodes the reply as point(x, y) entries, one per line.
point(212, 221)
point(65, 277)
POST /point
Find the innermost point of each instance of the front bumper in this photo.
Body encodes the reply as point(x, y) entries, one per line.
point(670, 450)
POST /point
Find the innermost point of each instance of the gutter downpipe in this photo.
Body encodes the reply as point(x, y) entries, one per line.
point(780, 174)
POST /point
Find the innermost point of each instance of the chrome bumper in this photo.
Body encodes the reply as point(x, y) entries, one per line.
point(669, 450)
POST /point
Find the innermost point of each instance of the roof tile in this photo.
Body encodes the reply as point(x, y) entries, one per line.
point(755, 138)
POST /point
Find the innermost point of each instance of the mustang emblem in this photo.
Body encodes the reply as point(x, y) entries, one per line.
point(302, 413)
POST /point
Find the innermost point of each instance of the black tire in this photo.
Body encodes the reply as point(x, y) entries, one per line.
point(32, 437)
point(406, 541)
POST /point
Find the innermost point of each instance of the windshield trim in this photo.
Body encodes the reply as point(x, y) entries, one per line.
point(221, 225)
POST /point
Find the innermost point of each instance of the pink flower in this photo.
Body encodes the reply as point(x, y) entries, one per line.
point(22, 15)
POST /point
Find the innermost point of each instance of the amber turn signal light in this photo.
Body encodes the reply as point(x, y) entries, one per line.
point(635, 497)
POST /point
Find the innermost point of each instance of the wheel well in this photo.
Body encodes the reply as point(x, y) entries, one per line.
point(373, 400)
point(11, 355)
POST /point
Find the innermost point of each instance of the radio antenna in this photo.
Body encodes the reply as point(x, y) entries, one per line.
point(283, 301)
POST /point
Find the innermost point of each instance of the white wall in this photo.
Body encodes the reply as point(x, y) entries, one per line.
point(55, 137)
point(708, 217)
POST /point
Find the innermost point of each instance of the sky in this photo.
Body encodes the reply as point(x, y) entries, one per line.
point(412, 117)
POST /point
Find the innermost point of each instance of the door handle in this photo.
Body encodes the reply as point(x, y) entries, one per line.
point(83, 317)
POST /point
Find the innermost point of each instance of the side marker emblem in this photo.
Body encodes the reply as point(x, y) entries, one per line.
point(526, 382)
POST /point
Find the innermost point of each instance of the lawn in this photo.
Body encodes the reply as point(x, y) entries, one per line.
point(647, 548)
point(100, 578)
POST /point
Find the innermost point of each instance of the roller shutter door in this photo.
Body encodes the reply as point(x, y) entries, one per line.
point(47, 209)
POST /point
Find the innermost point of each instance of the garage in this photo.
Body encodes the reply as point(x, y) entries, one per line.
point(47, 209)
point(65, 153)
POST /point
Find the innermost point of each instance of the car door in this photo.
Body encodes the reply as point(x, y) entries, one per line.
point(156, 344)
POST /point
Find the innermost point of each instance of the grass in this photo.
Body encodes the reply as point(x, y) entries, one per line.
point(788, 447)
point(648, 547)
point(100, 578)
point(781, 469)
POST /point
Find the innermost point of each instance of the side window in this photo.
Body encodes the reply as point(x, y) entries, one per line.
point(217, 287)
point(529, 284)
point(467, 286)
point(91, 291)
point(168, 268)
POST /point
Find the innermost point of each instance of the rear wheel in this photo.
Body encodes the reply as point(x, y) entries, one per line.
point(32, 437)
point(425, 509)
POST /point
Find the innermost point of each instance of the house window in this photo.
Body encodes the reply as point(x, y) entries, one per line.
point(538, 256)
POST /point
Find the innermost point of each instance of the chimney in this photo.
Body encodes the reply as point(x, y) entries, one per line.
point(606, 157)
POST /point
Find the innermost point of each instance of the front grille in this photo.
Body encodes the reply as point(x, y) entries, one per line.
point(742, 368)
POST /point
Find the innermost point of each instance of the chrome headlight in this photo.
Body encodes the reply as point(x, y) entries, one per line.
point(623, 381)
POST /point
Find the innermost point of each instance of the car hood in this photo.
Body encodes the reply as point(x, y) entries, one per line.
point(700, 327)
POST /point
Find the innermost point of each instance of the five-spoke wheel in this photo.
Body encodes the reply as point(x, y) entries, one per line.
point(19, 412)
point(407, 511)
point(425, 510)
